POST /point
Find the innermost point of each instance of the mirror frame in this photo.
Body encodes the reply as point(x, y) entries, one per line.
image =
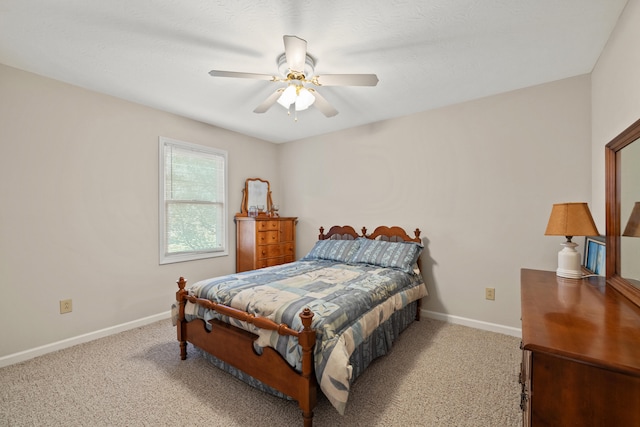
point(612, 176)
point(244, 208)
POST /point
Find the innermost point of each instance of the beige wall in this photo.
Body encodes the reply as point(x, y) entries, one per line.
point(78, 184)
point(79, 216)
point(477, 178)
point(615, 95)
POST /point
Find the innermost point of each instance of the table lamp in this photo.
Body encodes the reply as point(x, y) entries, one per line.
point(633, 226)
point(570, 219)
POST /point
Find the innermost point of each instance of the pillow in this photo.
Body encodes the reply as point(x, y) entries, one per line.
point(333, 250)
point(400, 255)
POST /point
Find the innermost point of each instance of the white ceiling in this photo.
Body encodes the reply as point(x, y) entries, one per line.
point(427, 53)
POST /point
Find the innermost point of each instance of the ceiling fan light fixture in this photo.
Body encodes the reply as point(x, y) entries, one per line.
point(288, 97)
point(304, 99)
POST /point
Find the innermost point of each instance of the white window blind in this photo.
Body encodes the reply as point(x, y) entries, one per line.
point(192, 201)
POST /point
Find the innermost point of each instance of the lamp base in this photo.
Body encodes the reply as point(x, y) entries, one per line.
point(569, 262)
point(569, 274)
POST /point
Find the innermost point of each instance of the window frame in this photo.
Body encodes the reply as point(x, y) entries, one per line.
point(164, 256)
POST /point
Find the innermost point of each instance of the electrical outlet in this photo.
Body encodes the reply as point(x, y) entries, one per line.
point(490, 293)
point(65, 306)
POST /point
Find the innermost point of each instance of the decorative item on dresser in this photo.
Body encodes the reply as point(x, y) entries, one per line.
point(569, 220)
point(595, 251)
point(581, 353)
point(263, 238)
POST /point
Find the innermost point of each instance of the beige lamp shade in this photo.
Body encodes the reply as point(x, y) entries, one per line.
point(633, 226)
point(571, 219)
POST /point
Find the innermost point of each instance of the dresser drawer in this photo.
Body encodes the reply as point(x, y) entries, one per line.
point(269, 251)
point(269, 262)
point(267, 237)
point(273, 261)
point(288, 258)
point(267, 225)
point(286, 249)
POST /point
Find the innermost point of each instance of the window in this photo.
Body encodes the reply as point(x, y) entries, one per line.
point(193, 188)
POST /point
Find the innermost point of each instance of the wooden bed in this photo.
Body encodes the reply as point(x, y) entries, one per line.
point(235, 346)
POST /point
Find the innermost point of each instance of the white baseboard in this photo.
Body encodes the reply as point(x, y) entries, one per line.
point(70, 342)
point(478, 324)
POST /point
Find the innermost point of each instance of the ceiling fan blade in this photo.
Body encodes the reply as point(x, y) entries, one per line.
point(218, 73)
point(295, 50)
point(322, 104)
point(267, 103)
point(346, 80)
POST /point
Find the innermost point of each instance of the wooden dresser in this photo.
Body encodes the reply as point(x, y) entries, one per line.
point(264, 241)
point(581, 353)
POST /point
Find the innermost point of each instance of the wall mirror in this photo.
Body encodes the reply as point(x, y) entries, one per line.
point(256, 193)
point(622, 162)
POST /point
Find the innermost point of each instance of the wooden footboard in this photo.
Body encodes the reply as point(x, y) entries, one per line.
point(235, 347)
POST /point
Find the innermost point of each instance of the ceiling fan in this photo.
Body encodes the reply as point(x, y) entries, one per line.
point(296, 70)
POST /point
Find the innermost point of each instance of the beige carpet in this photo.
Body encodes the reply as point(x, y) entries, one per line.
point(437, 374)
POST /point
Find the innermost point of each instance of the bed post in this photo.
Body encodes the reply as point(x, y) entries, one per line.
point(419, 308)
point(181, 323)
point(307, 340)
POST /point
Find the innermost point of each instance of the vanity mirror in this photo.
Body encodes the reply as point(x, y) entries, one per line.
point(622, 162)
point(256, 194)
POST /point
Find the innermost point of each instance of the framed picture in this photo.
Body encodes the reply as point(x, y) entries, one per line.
point(594, 254)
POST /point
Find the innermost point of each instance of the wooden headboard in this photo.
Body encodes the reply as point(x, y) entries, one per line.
point(391, 234)
point(340, 232)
